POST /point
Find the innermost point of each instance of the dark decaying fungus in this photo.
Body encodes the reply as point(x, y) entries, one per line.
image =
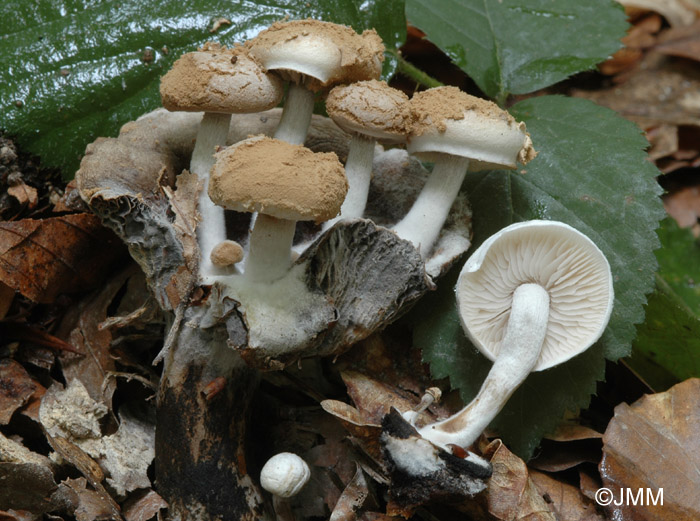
point(363, 274)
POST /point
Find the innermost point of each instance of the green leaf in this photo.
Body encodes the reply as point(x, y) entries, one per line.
point(519, 46)
point(74, 70)
point(592, 173)
point(669, 339)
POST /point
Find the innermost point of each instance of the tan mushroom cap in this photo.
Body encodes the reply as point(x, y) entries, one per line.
point(325, 52)
point(217, 79)
point(273, 177)
point(448, 120)
point(566, 263)
point(371, 108)
point(226, 253)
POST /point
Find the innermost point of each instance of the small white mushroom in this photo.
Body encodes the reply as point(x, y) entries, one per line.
point(532, 296)
point(284, 474)
point(456, 131)
point(314, 55)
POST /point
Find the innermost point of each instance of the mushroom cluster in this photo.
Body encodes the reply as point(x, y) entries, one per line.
point(443, 125)
point(275, 291)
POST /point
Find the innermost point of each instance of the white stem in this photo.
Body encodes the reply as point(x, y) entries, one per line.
point(423, 222)
point(296, 115)
point(358, 170)
point(270, 247)
point(520, 350)
point(211, 230)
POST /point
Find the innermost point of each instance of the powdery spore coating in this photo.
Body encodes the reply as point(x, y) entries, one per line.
point(276, 178)
point(359, 56)
point(217, 79)
point(371, 108)
point(448, 120)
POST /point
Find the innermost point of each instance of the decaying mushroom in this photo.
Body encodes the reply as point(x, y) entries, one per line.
point(456, 131)
point(369, 111)
point(530, 297)
point(314, 55)
point(219, 82)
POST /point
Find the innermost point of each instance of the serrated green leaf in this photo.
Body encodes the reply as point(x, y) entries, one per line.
point(669, 338)
point(73, 70)
point(519, 46)
point(591, 173)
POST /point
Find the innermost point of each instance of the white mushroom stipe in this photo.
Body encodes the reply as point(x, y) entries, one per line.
point(358, 170)
point(423, 222)
point(522, 343)
point(530, 297)
point(269, 250)
point(284, 475)
point(212, 226)
point(296, 115)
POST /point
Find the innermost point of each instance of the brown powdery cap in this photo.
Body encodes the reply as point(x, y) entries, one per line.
point(325, 53)
point(273, 177)
point(370, 108)
point(217, 79)
point(448, 120)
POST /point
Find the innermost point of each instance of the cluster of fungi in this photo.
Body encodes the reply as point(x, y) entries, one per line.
point(534, 296)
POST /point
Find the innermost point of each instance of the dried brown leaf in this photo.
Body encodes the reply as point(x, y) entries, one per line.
point(676, 12)
point(16, 388)
point(44, 258)
point(352, 498)
point(566, 500)
point(25, 194)
point(7, 295)
point(660, 91)
point(684, 205)
point(93, 505)
point(144, 506)
point(81, 328)
point(681, 41)
point(511, 495)
point(654, 444)
point(26, 486)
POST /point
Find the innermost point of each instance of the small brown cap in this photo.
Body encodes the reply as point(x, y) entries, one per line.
point(217, 79)
point(279, 179)
point(226, 253)
point(371, 108)
point(326, 53)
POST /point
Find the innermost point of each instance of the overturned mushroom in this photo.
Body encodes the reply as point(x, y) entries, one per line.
point(314, 55)
point(532, 296)
point(456, 131)
point(219, 82)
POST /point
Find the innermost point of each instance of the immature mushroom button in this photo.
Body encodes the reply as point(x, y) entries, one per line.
point(456, 131)
point(284, 183)
point(314, 55)
point(284, 474)
point(219, 82)
point(532, 296)
point(226, 253)
point(369, 111)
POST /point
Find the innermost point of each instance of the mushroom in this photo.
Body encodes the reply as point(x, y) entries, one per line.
point(283, 476)
point(369, 111)
point(284, 183)
point(219, 82)
point(226, 253)
point(532, 296)
point(314, 55)
point(456, 131)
